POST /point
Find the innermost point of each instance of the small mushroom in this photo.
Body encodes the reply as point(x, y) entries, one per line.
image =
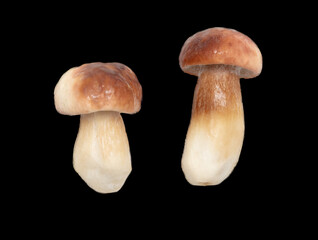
point(219, 57)
point(99, 92)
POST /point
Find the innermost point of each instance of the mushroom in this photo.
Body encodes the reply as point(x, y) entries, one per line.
point(219, 57)
point(99, 92)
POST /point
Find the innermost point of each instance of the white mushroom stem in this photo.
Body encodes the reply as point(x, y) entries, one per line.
point(101, 153)
point(216, 131)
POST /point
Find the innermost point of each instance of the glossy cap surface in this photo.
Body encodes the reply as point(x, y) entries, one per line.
point(221, 46)
point(96, 87)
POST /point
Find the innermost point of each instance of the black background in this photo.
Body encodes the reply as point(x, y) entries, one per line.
point(148, 38)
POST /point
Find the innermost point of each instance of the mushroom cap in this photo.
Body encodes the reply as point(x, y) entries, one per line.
point(221, 46)
point(96, 87)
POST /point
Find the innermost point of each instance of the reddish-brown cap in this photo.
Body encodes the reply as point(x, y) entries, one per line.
point(221, 46)
point(98, 87)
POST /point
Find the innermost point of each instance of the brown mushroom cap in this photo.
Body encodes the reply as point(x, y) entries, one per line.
point(221, 46)
point(98, 87)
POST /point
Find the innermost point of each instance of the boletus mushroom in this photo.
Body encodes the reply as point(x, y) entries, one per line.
point(99, 92)
point(219, 57)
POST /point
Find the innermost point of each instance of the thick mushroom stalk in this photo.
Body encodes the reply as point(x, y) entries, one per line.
point(101, 153)
point(215, 135)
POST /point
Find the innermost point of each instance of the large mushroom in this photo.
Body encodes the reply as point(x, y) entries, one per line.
point(219, 57)
point(99, 92)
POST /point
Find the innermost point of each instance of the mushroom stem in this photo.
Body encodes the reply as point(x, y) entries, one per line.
point(216, 131)
point(101, 152)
